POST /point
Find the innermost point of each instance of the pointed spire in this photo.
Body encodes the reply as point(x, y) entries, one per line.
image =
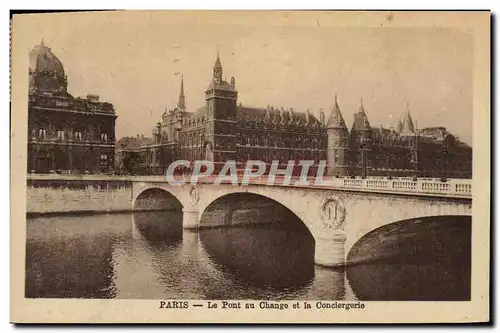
point(361, 122)
point(336, 120)
point(408, 127)
point(41, 43)
point(217, 61)
point(361, 107)
point(181, 104)
point(218, 68)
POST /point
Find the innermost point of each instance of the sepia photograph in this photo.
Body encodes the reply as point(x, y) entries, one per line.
point(231, 163)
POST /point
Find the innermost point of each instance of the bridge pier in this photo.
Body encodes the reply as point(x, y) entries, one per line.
point(330, 249)
point(190, 218)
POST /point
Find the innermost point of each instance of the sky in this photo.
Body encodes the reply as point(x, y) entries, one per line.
point(134, 61)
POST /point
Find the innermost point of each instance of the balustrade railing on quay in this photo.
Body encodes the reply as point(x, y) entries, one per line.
point(450, 187)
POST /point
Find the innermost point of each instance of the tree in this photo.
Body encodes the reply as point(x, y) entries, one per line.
point(131, 162)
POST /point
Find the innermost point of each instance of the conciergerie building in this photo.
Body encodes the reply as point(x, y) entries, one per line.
point(65, 134)
point(223, 130)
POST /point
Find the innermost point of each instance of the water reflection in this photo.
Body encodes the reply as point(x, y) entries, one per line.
point(160, 229)
point(149, 256)
point(72, 256)
point(419, 259)
point(262, 257)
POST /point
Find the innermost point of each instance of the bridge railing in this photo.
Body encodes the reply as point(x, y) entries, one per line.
point(461, 187)
point(451, 187)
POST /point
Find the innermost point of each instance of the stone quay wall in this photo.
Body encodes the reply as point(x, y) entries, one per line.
point(47, 196)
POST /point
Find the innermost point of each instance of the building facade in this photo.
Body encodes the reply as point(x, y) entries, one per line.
point(223, 130)
point(65, 134)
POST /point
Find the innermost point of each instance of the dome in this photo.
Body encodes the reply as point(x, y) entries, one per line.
point(46, 71)
point(41, 58)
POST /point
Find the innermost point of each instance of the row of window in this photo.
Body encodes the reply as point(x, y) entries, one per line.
point(64, 135)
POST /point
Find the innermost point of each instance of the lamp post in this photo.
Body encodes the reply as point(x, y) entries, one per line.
point(363, 158)
point(445, 164)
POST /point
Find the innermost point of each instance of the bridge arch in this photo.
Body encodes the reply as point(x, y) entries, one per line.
point(156, 198)
point(370, 214)
point(363, 212)
point(249, 208)
point(258, 192)
point(425, 258)
point(382, 242)
point(259, 239)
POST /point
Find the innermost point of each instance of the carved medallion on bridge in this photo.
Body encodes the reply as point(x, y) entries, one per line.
point(333, 212)
point(195, 196)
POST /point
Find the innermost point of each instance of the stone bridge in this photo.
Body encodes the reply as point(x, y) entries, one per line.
point(337, 213)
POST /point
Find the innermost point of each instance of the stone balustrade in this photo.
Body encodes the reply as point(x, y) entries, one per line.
point(449, 188)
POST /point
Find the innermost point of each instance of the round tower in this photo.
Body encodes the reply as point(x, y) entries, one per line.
point(361, 144)
point(337, 143)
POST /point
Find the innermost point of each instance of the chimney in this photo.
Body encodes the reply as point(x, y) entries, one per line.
point(321, 116)
point(93, 98)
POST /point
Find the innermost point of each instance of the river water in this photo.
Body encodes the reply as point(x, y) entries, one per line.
point(149, 256)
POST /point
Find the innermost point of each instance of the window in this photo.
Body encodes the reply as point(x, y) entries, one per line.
point(42, 133)
point(60, 135)
point(104, 137)
point(103, 160)
point(78, 135)
point(61, 103)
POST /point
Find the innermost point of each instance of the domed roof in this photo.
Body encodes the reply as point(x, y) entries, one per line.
point(42, 59)
point(46, 72)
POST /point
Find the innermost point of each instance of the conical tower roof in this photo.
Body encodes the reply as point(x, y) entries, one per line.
point(336, 120)
point(408, 126)
point(361, 122)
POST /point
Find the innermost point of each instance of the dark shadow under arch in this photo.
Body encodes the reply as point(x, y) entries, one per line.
point(243, 209)
point(156, 199)
point(425, 258)
point(258, 241)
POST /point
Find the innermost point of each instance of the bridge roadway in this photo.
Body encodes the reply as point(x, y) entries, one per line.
point(337, 212)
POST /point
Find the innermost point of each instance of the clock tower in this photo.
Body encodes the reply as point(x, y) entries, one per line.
point(221, 126)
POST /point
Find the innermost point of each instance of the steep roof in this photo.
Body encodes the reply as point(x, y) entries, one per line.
point(250, 113)
point(361, 122)
point(408, 126)
point(336, 120)
point(130, 142)
point(223, 85)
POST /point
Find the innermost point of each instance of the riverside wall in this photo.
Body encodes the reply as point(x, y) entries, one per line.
point(78, 196)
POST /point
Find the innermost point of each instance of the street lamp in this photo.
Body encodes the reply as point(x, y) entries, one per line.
point(445, 164)
point(363, 158)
